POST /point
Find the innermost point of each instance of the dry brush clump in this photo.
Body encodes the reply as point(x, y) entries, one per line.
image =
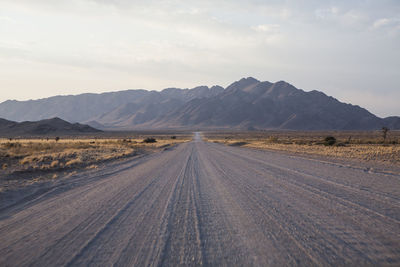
point(150, 140)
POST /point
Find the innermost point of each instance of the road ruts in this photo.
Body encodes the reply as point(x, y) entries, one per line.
point(207, 204)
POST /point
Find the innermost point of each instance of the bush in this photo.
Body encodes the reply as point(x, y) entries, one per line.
point(273, 139)
point(329, 141)
point(54, 164)
point(238, 144)
point(9, 145)
point(173, 137)
point(149, 140)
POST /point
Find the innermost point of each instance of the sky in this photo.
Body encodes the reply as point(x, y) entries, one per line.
point(347, 49)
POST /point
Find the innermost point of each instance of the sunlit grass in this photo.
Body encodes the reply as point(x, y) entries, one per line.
point(48, 154)
point(367, 146)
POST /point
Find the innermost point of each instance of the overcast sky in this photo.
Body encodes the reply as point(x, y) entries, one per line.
point(347, 49)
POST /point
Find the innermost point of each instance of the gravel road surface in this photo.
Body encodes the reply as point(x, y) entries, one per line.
point(208, 204)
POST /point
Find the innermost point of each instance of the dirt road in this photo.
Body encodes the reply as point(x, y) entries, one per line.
point(207, 204)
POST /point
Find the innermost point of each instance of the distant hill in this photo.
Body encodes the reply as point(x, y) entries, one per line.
point(53, 126)
point(87, 107)
point(245, 104)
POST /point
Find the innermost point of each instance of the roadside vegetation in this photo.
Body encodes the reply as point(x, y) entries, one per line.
point(382, 146)
point(52, 157)
point(31, 154)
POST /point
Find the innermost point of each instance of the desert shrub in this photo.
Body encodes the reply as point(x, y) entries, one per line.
point(149, 140)
point(301, 142)
point(238, 144)
point(26, 160)
point(273, 139)
point(93, 166)
point(73, 162)
point(9, 145)
point(385, 130)
point(329, 141)
point(173, 137)
point(54, 163)
point(44, 167)
point(348, 140)
point(57, 139)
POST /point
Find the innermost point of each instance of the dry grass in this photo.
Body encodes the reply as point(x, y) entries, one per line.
point(367, 146)
point(55, 164)
point(73, 162)
point(43, 154)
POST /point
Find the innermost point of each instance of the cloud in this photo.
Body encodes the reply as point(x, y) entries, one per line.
point(386, 22)
point(326, 13)
point(380, 22)
point(217, 40)
point(267, 28)
point(6, 20)
point(269, 34)
point(354, 19)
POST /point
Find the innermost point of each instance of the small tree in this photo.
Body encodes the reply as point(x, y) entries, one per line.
point(173, 137)
point(329, 141)
point(349, 140)
point(273, 139)
point(57, 138)
point(385, 130)
point(149, 140)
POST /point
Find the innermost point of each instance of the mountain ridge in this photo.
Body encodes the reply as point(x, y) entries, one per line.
point(245, 104)
point(53, 126)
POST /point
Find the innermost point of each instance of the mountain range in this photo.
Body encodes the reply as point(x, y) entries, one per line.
point(245, 104)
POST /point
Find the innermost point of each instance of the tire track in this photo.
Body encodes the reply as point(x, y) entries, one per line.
point(279, 182)
point(275, 169)
point(206, 204)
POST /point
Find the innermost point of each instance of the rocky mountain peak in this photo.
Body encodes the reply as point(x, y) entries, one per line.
point(243, 84)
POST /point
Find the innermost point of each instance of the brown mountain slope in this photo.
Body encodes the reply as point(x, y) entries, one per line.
point(53, 126)
point(249, 104)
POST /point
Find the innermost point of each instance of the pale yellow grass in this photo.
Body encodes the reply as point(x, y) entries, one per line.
point(54, 163)
point(48, 154)
point(73, 162)
point(369, 152)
